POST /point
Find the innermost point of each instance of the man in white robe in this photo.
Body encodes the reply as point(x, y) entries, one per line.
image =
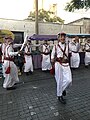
point(62, 69)
point(46, 63)
point(28, 65)
point(74, 48)
point(10, 69)
point(87, 53)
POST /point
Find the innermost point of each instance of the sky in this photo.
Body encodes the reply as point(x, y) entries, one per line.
point(20, 9)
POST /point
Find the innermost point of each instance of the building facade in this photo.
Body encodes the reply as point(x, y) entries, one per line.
point(23, 27)
point(84, 23)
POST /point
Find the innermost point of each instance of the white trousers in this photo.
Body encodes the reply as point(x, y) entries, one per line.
point(63, 77)
point(75, 60)
point(87, 58)
point(28, 64)
point(46, 64)
point(12, 78)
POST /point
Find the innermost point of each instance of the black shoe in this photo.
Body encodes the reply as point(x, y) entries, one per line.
point(62, 100)
point(27, 73)
point(16, 83)
point(64, 93)
point(86, 66)
point(31, 72)
point(11, 88)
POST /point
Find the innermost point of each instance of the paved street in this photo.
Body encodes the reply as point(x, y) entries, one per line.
point(35, 98)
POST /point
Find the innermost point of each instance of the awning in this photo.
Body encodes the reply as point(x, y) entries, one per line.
point(54, 37)
point(43, 37)
point(79, 35)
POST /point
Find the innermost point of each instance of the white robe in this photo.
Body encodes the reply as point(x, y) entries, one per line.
point(62, 72)
point(28, 65)
point(75, 58)
point(12, 77)
point(46, 63)
point(87, 54)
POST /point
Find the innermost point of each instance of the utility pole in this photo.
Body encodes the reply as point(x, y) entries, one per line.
point(36, 16)
point(36, 20)
point(84, 25)
point(42, 4)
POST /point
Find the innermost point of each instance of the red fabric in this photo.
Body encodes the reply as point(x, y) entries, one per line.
point(8, 70)
point(8, 58)
point(52, 71)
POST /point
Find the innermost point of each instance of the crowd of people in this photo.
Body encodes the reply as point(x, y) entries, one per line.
point(62, 58)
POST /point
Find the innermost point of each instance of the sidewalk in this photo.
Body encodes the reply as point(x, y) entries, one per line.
point(35, 98)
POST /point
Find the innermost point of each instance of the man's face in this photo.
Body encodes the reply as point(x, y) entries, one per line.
point(45, 41)
point(28, 42)
point(9, 41)
point(62, 39)
point(88, 40)
point(76, 39)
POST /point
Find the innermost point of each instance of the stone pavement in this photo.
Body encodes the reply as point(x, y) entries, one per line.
point(35, 98)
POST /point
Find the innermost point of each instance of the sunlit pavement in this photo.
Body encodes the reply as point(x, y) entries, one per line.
point(35, 98)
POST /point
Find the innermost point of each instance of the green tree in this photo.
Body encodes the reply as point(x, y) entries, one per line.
point(45, 16)
point(77, 4)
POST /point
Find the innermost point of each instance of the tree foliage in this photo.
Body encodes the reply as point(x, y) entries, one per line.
point(45, 16)
point(77, 4)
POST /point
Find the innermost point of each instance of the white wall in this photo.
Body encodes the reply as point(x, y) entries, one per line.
point(28, 27)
